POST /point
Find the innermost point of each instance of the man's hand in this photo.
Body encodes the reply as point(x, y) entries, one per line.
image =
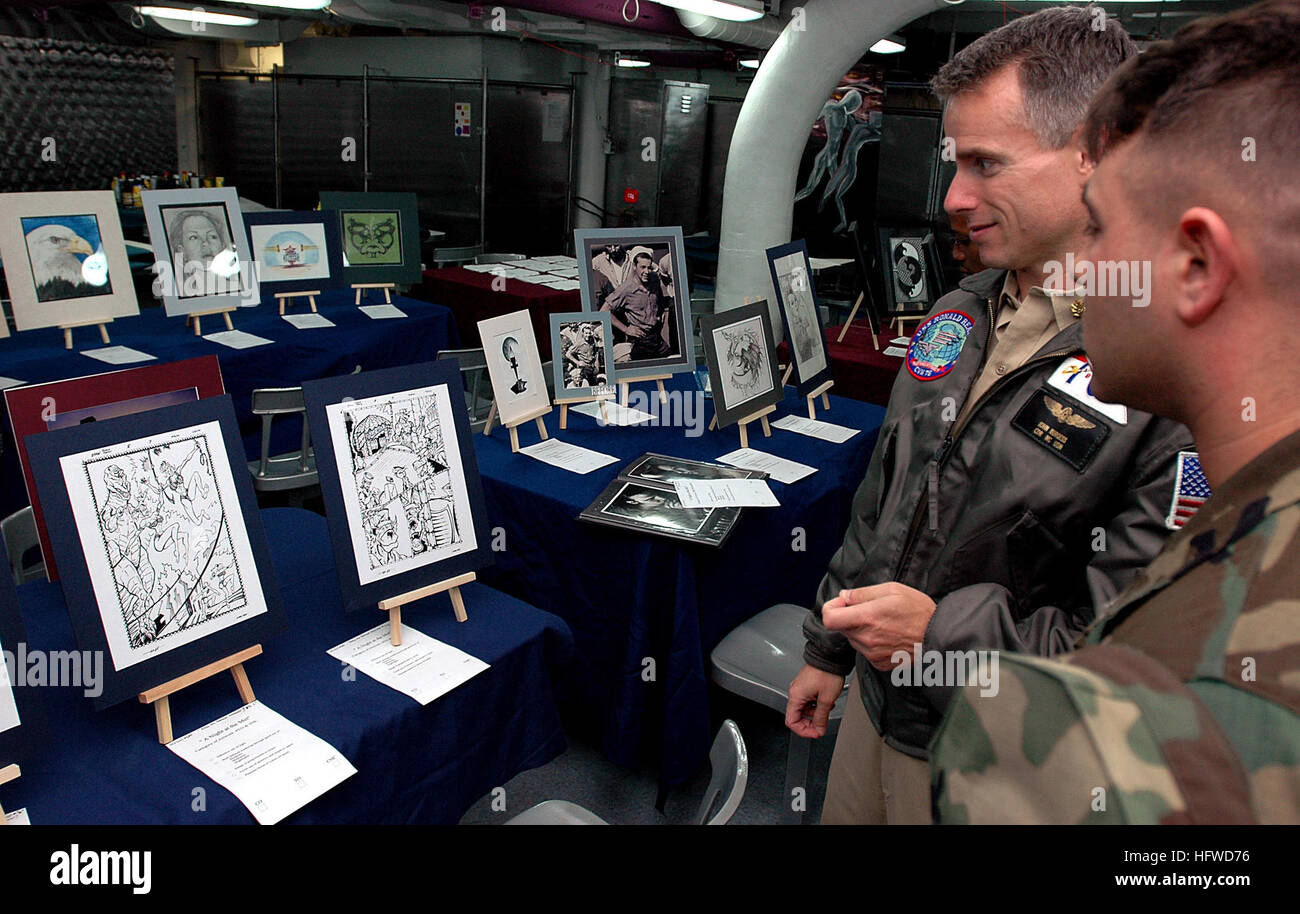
point(812, 695)
point(635, 332)
point(880, 620)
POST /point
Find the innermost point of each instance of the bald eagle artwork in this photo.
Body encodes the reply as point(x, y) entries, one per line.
point(67, 257)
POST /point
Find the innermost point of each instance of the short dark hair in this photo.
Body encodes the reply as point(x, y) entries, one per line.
point(645, 255)
point(1062, 57)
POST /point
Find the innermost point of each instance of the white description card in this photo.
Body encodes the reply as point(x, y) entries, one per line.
point(382, 312)
point(421, 667)
point(815, 428)
point(118, 355)
point(725, 493)
point(615, 413)
point(271, 765)
point(308, 321)
point(237, 339)
point(567, 456)
point(780, 469)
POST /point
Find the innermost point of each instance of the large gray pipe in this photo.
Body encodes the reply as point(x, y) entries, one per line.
point(796, 79)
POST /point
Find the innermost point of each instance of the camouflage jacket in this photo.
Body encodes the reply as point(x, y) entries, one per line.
point(1062, 741)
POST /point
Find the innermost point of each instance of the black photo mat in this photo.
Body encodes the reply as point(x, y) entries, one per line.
point(804, 332)
point(644, 506)
point(316, 221)
point(909, 270)
point(742, 361)
point(22, 742)
point(394, 383)
point(406, 238)
point(45, 452)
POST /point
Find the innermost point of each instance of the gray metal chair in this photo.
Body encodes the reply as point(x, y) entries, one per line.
point(499, 258)
point(473, 369)
point(450, 257)
point(285, 472)
point(20, 537)
point(730, 766)
point(758, 660)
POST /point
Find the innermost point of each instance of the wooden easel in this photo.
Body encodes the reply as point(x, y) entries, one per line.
point(759, 416)
point(623, 387)
point(514, 426)
point(393, 605)
point(897, 323)
point(574, 401)
point(67, 330)
point(818, 391)
point(288, 297)
point(386, 286)
point(852, 314)
point(158, 696)
point(7, 774)
point(197, 316)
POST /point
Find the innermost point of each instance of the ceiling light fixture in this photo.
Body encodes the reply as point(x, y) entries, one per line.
point(732, 10)
point(890, 44)
point(749, 63)
point(289, 4)
point(195, 15)
point(630, 62)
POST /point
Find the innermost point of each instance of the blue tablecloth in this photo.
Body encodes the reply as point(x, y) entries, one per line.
point(629, 597)
point(294, 356)
point(425, 764)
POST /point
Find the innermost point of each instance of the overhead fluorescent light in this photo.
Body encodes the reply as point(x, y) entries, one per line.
point(289, 4)
point(890, 44)
point(749, 63)
point(733, 10)
point(630, 62)
point(195, 15)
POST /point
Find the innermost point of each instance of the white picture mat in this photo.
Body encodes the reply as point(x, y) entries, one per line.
point(30, 314)
point(494, 331)
point(230, 293)
point(733, 395)
point(8, 705)
point(229, 551)
point(392, 499)
point(807, 347)
point(315, 234)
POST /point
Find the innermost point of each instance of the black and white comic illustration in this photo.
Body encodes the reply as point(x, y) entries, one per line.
point(403, 488)
point(164, 540)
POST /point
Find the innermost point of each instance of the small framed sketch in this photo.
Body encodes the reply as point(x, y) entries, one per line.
point(638, 276)
point(22, 718)
point(200, 249)
point(662, 468)
point(742, 361)
point(645, 506)
point(65, 260)
point(380, 235)
point(161, 552)
point(582, 355)
point(910, 270)
point(793, 284)
point(514, 366)
point(400, 482)
point(295, 251)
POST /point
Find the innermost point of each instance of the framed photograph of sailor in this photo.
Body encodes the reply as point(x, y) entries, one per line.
point(582, 355)
point(638, 276)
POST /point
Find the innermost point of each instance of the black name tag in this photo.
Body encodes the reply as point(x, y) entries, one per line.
point(1062, 426)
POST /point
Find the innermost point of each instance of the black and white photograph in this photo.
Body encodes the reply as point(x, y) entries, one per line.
point(662, 468)
point(792, 282)
point(514, 366)
point(65, 259)
point(742, 361)
point(650, 506)
point(201, 249)
point(909, 268)
point(581, 354)
point(637, 277)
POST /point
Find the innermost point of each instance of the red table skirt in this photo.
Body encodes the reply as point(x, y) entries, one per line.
point(471, 298)
point(859, 370)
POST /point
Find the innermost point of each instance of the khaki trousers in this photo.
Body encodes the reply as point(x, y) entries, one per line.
point(871, 783)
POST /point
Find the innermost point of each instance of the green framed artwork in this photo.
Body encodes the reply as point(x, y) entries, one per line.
point(379, 234)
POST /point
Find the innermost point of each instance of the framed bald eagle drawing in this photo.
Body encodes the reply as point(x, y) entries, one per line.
point(64, 259)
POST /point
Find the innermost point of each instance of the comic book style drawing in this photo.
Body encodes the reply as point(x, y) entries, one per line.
point(403, 488)
point(165, 543)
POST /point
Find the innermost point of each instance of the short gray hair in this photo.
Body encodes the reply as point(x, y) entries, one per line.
point(1062, 56)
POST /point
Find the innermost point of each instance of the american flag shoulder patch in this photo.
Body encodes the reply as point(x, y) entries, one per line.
point(1191, 489)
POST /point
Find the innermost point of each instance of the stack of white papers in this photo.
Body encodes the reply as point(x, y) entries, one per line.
point(422, 667)
point(780, 469)
point(560, 285)
point(815, 428)
point(237, 339)
point(118, 355)
point(567, 456)
point(271, 765)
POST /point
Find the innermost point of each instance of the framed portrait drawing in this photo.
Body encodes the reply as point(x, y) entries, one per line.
point(379, 234)
point(638, 276)
point(909, 268)
point(514, 366)
point(22, 718)
point(161, 552)
point(582, 355)
point(200, 247)
point(64, 259)
point(742, 361)
point(399, 479)
point(792, 283)
point(94, 398)
point(295, 251)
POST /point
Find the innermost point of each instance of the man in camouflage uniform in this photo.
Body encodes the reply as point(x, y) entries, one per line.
point(1182, 705)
